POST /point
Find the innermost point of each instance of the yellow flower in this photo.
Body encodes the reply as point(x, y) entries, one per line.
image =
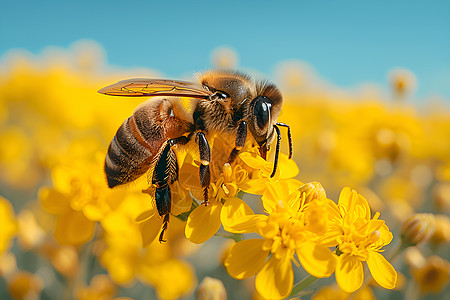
point(8, 264)
point(336, 293)
point(30, 234)
point(442, 233)
point(16, 158)
point(433, 275)
point(260, 171)
point(8, 226)
point(330, 293)
point(204, 221)
point(24, 285)
point(441, 196)
point(211, 289)
point(413, 257)
point(126, 259)
point(63, 258)
point(226, 181)
point(224, 58)
point(79, 199)
point(286, 231)
point(361, 240)
point(150, 221)
point(101, 288)
point(402, 81)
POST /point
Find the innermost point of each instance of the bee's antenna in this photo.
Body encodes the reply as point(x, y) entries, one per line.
point(289, 137)
point(277, 150)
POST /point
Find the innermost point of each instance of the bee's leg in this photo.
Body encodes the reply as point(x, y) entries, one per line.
point(166, 170)
point(289, 137)
point(277, 150)
point(205, 159)
point(241, 136)
point(164, 228)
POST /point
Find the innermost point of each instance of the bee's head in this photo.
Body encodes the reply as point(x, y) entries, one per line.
point(263, 114)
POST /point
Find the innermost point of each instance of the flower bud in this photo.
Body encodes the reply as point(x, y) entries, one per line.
point(418, 229)
point(414, 258)
point(211, 289)
point(433, 275)
point(402, 82)
point(101, 287)
point(8, 264)
point(313, 191)
point(441, 195)
point(30, 233)
point(25, 285)
point(442, 233)
point(224, 58)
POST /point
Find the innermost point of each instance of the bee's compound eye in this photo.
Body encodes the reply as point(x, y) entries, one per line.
point(261, 110)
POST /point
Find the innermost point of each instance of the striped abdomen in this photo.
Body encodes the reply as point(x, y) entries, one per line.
point(140, 138)
point(128, 157)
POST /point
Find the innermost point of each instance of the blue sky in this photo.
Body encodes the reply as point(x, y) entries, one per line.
point(347, 42)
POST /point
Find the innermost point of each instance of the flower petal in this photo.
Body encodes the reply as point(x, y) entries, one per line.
point(382, 271)
point(246, 258)
point(254, 186)
point(188, 177)
point(145, 215)
point(161, 277)
point(93, 212)
point(73, 228)
point(349, 273)
point(364, 207)
point(276, 278)
point(255, 161)
point(288, 167)
point(181, 201)
point(238, 217)
point(246, 224)
point(316, 259)
point(119, 269)
point(345, 198)
point(150, 229)
point(234, 208)
point(274, 193)
point(203, 222)
point(8, 224)
point(54, 201)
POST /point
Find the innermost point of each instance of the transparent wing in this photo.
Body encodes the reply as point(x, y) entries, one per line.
point(143, 87)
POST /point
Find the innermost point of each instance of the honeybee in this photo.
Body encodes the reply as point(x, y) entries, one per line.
point(223, 103)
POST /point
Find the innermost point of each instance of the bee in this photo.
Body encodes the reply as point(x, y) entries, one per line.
point(224, 103)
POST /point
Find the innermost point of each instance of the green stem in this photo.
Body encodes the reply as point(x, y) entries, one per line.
point(87, 262)
point(398, 250)
point(307, 281)
point(234, 236)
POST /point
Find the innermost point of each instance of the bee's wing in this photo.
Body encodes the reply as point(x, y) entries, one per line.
point(143, 87)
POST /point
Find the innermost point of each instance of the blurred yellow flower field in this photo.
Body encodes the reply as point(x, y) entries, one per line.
point(369, 178)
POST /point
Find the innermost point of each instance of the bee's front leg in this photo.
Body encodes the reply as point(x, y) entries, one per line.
point(205, 159)
point(241, 136)
point(289, 137)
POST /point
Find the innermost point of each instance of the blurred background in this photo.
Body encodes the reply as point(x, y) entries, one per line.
point(367, 95)
point(347, 43)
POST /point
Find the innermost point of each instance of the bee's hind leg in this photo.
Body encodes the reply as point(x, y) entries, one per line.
point(166, 171)
point(205, 159)
point(241, 136)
